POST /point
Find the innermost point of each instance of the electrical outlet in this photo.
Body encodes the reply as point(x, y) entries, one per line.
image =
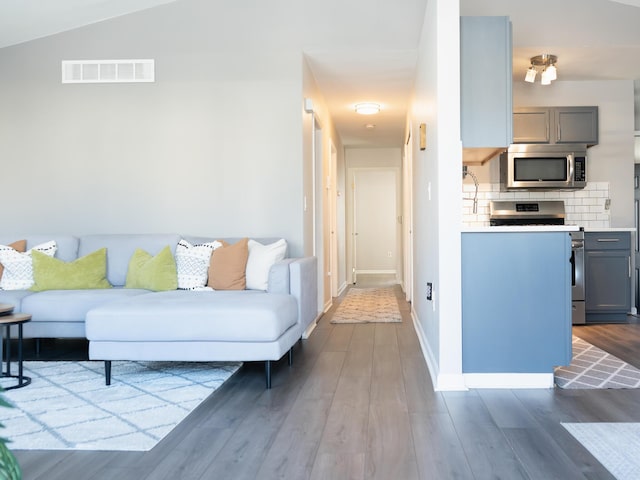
point(429, 291)
point(389, 254)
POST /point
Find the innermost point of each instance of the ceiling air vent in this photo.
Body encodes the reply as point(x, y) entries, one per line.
point(108, 71)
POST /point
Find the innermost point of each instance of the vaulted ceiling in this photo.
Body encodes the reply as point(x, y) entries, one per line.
point(361, 50)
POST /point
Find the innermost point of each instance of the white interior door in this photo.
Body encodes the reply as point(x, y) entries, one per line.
point(375, 221)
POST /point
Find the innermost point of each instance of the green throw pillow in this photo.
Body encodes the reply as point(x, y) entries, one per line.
point(86, 272)
point(152, 273)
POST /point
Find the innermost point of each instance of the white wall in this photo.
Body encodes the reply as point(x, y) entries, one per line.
point(437, 201)
point(213, 147)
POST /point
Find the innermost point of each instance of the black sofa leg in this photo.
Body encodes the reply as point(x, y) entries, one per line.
point(291, 356)
point(37, 345)
point(107, 372)
point(267, 371)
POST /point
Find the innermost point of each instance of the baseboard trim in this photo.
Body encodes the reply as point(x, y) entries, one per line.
point(441, 382)
point(342, 288)
point(509, 380)
point(312, 326)
point(327, 306)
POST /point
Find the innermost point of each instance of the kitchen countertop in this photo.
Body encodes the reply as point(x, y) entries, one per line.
point(610, 229)
point(523, 228)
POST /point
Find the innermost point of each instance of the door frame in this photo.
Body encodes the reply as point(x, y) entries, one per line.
point(407, 217)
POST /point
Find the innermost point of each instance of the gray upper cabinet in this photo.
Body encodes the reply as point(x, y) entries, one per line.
point(555, 125)
point(486, 105)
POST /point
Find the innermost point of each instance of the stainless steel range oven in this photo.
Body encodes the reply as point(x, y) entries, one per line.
point(551, 212)
point(577, 278)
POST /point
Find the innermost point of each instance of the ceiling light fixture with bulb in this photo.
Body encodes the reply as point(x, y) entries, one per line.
point(547, 64)
point(367, 108)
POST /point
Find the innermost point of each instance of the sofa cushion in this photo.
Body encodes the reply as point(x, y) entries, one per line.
point(120, 248)
point(192, 263)
point(261, 258)
point(18, 246)
point(71, 305)
point(67, 244)
point(181, 315)
point(14, 297)
point(18, 267)
point(228, 266)
point(155, 273)
point(55, 274)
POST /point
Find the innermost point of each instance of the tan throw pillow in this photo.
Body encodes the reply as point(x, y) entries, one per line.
point(228, 265)
point(18, 246)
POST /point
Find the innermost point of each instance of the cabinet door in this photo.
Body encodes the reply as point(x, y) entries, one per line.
point(531, 125)
point(607, 281)
point(486, 105)
point(576, 125)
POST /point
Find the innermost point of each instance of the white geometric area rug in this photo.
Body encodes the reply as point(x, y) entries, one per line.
point(69, 407)
point(593, 368)
point(368, 305)
point(614, 445)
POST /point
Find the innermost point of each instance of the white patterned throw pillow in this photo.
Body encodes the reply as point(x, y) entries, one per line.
point(18, 267)
point(192, 262)
point(261, 258)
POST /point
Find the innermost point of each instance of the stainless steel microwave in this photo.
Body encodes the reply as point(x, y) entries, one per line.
point(550, 167)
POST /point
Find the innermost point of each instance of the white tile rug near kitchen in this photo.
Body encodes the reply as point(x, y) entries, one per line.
point(592, 367)
point(368, 305)
point(69, 407)
point(614, 445)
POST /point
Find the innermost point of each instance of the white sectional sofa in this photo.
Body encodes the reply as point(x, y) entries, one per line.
point(137, 324)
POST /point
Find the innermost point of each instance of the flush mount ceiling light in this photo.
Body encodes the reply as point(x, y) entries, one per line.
point(367, 108)
point(547, 64)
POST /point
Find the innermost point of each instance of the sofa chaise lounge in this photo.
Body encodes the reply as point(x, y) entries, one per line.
point(177, 325)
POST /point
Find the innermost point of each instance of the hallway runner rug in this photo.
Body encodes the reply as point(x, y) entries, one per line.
point(615, 446)
point(69, 407)
point(593, 368)
point(368, 305)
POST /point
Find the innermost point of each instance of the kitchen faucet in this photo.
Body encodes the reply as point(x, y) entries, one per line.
point(465, 172)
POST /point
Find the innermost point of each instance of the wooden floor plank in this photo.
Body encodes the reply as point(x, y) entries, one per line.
point(439, 452)
point(390, 448)
point(293, 451)
point(345, 466)
point(540, 455)
point(487, 451)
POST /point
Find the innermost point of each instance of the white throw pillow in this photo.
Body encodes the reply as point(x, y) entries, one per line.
point(261, 258)
point(192, 262)
point(18, 267)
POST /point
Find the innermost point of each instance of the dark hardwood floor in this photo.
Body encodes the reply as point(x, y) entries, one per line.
point(358, 403)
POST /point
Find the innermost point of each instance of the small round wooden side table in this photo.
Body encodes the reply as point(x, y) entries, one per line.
point(7, 319)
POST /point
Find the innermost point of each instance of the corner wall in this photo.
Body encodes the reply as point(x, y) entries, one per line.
point(437, 201)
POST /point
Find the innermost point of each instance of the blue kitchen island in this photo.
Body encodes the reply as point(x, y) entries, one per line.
point(516, 305)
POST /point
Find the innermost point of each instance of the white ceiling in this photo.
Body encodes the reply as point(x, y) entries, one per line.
point(365, 50)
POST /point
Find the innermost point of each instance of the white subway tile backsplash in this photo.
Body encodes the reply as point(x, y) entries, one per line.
point(582, 207)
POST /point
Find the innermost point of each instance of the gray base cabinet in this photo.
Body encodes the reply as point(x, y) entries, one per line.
point(555, 125)
point(607, 276)
point(516, 308)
